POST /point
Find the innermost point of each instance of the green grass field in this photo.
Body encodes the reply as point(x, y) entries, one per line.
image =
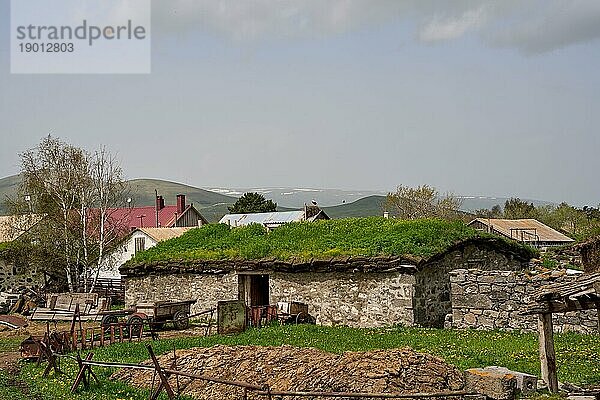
point(578, 355)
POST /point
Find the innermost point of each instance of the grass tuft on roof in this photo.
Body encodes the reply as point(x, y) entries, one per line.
point(373, 236)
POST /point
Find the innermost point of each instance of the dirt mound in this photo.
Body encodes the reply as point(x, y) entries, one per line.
point(304, 369)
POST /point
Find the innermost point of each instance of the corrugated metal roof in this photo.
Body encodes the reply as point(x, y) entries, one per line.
point(527, 230)
point(266, 219)
point(13, 226)
point(162, 234)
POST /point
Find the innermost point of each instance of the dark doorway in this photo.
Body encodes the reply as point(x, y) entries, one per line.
point(254, 289)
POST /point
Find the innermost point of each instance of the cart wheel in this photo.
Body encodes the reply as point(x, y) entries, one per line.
point(108, 320)
point(181, 320)
point(135, 323)
point(304, 318)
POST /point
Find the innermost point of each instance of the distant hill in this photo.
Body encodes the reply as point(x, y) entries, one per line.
point(210, 204)
point(365, 207)
point(296, 197)
point(213, 203)
point(8, 188)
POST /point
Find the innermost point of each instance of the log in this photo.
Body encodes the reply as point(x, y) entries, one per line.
point(547, 354)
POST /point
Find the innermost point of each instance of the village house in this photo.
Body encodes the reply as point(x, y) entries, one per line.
point(159, 215)
point(528, 231)
point(12, 274)
point(272, 220)
point(139, 240)
point(357, 272)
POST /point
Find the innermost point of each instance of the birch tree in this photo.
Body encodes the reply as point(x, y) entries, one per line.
point(77, 192)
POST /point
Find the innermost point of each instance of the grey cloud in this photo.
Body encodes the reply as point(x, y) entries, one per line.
point(549, 26)
point(532, 26)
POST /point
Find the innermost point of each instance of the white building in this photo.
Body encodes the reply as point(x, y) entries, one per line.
point(272, 220)
point(139, 240)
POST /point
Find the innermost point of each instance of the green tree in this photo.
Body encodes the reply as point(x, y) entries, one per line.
point(74, 191)
point(422, 202)
point(494, 212)
point(515, 208)
point(252, 203)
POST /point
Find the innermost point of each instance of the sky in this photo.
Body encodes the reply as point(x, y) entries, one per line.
point(475, 98)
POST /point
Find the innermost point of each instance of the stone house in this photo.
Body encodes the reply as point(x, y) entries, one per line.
point(355, 291)
point(13, 274)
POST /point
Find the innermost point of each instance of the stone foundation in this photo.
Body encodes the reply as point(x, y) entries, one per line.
point(494, 300)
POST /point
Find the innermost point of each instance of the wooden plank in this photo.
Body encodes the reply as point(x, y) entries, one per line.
point(547, 353)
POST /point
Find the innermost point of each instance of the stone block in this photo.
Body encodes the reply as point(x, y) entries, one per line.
point(526, 383)
point(495, 385)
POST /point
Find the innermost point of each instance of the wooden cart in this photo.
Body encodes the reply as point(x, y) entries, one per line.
point(160, 312)
point(156, 314)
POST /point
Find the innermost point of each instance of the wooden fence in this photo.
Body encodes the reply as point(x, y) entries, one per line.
point(112, 288)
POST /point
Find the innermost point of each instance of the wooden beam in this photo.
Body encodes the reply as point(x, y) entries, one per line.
point(547, 354)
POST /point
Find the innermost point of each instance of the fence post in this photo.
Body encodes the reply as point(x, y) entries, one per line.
point(164, 383)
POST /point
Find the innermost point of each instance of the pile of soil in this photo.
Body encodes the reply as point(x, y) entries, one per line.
point(303, 369)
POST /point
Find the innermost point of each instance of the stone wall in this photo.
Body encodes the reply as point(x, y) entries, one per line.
point(206, 288)
point(353, 299)
point(494, 299)
point(12, 277)
point(432, 300)
point(590, 255)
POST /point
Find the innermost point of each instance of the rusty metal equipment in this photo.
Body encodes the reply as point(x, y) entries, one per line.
point(294, 312)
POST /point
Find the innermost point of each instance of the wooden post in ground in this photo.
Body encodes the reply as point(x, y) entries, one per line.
point(164, 383)
point(83, 370)
point(547, 354)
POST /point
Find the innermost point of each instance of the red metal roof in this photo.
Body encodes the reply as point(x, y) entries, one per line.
point(145, 217)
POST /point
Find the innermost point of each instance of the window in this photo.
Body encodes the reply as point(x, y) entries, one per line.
point(140, 244)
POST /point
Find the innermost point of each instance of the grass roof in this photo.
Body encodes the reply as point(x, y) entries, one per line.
point(374, 236)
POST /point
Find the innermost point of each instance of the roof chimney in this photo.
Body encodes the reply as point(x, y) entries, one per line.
point(160, 203)
point(180, 203)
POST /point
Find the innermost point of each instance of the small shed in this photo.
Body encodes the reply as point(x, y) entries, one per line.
point(529, 231)
point(581, 294)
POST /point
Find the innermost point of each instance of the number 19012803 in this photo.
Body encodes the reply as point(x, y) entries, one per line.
point(46, 47)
